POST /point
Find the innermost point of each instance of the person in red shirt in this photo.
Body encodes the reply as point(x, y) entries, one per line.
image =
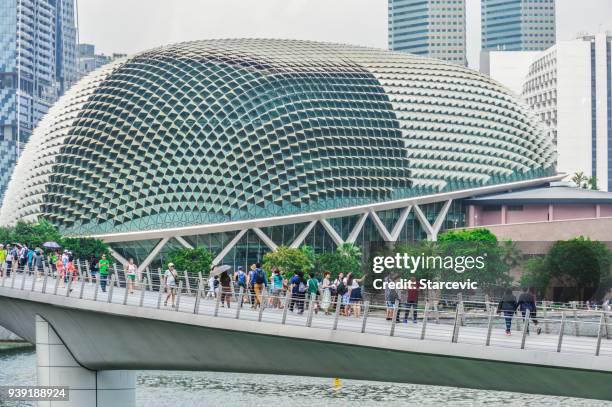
point(412, 300)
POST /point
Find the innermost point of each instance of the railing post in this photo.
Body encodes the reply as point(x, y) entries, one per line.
point(310, 306)
point(240, 302)
point(455, 336)
point(57, 279)
point(143, 292)
point(187, 284)
point(366, 311)
point(337, 313)
point(95, 298)
point(544, 315)
point(13, 273)
point(487, 299)
point(69, 286)
point(125, 294)
point(87, 270)
point(149, 281)
point(160, 293)
point(286, 308)
point(602, 320)
point(436, 311)
point(116, 276)
point(23, 280)
point(178, 296)
point(218, 300)
point(576, 322)
point(44, 287)
point(33, 283)
point(490, 326)
point(262, 305)
point(525, 329)
point(110, 290)
point(78, 264)
point(606, 325)
point(561, 329)
point(196, 303)
point(3, 273)
point(395, 311)
point(425, 316)
point(82, 289)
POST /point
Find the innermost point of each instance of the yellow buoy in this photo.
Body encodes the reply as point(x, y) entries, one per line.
point(337, 383)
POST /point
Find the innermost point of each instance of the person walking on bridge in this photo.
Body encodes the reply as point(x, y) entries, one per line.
point(508, 306)
point(102, 268)
point(526, 301)
point(170, 278)
point(260, 281)
point(130, 272)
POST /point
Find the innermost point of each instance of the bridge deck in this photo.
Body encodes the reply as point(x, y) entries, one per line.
point(580, 336)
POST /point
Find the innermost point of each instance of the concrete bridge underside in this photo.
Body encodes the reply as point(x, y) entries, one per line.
point(103, 337)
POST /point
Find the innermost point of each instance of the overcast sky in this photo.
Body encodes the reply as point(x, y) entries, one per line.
point(134, 25)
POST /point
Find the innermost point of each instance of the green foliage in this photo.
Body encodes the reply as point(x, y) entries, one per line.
point(32, 234)
point(192, 261)
point(83, 247)
point(346, 259)
point(468, 235)
point(580, 263)
point(288, 260)
point(536, 275)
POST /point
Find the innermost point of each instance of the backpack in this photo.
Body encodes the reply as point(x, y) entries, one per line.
point(302, 287)
point(341, 289)
point(259, 276)
point(242, 279)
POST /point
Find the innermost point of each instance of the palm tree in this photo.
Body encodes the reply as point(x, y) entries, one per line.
point(349, 249)
point(592, 183)
point(580, 179)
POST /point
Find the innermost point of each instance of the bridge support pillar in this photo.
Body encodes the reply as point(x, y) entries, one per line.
point(57, 367)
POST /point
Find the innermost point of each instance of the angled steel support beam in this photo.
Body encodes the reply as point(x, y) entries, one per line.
point(183, 242)
point(381, 227)
point(441, 217)
point(153, 253)
point(266, 239)
point(357, 229)
point(300, 238)
point(397, 228)
point(228, 247)
point(424, 223)
point(332, 232)
point(117, 256)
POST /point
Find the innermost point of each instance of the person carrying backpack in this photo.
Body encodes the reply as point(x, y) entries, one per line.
point(260, 280)
point(508, 306)
point(298, 292)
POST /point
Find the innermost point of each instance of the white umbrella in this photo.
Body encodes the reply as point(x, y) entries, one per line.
point(219, 269)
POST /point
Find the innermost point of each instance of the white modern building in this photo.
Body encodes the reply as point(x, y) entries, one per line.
point(510, 68)
point(433, 28)
point(569, 87)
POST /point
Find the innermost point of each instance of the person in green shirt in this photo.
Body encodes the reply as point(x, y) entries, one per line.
point(313, 291)
point(103, 268)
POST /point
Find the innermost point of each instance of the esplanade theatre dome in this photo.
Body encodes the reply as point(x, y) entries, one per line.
point(224, 130)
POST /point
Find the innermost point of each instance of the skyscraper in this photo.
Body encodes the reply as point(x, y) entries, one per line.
point(434, 28)
point(37, 50)
point(570, 87)
point(518, 25)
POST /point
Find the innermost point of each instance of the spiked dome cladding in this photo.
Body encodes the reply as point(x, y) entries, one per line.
point(220, 130)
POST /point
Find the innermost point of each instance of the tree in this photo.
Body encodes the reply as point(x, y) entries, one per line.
point(536, 275)
point(580, 264)
point(288, 260)
point(84, 247)
point(580, 179)
point(592, 183)
point(349, 250)
point(337, 262)
point(192, 261)
point(475, 243)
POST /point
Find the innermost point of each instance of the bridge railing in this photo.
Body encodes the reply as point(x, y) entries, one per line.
point(475, 322)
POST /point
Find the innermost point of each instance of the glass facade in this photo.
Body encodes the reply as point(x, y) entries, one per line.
point(44, 66)
point(518, 25)
point(434, 28)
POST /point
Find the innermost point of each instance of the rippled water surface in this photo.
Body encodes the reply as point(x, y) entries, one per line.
point(172, 389)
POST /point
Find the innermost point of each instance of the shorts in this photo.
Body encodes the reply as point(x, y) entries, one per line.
point(132, 276)
point(356, 294)
point(390, 304)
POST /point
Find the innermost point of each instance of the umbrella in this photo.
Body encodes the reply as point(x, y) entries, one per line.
point(51, 245)
point(219, 269)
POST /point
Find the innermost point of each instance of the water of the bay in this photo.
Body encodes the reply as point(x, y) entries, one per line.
point(175, 389)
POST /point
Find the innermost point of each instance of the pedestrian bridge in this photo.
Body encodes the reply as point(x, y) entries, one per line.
point(91, 341)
